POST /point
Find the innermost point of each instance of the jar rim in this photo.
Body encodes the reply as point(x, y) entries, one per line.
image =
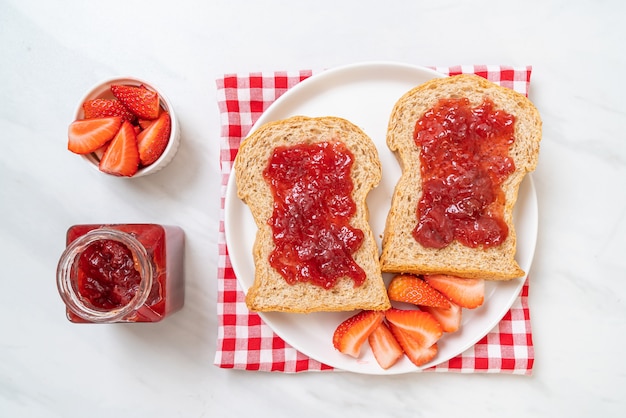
point(67, 268)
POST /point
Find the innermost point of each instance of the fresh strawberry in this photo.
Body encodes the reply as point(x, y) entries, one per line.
point(144, 123)
point(422, 326)
point(102, 108)
point(386, 349)
point(411, 289)
point(87, 135)
point(467, 293)
point(100, 151)
point(418, 354)
point(142, 102)
point(121, 157)
point(153, 140)
point(354, 331)
point(448, 318)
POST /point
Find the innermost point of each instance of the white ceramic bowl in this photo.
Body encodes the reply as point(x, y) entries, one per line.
point(103, 90)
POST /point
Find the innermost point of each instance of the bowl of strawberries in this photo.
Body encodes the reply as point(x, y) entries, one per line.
point(125, 127)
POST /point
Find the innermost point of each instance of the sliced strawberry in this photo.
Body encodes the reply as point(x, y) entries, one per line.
point(153, 140)
point(386, 349)
point(467, 293)
point(100, 151)
point(87, 135)
point(144, 123)
point(422, 326)
point(416, 352)
point(142, 102)
point(411, 289)
point(352, 333)
point(121, 157)
point(102, 108)
point(448, 318)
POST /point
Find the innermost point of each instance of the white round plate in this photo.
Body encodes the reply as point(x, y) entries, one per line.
point(365, 94)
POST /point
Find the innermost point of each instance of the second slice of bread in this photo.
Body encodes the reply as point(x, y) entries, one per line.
point(270, 291)
point(400, 251)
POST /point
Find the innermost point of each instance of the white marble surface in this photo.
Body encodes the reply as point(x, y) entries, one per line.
point(53, 51)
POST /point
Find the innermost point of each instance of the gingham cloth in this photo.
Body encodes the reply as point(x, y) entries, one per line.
point(244, 341)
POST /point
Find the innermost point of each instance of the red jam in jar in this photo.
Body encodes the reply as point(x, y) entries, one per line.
point(313, 205)
point(464, 160)
point(122, 273)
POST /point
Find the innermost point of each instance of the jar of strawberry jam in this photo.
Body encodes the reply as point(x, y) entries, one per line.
point(122, 273)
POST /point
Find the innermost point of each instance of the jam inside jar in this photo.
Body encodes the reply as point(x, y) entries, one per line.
point(122, 273)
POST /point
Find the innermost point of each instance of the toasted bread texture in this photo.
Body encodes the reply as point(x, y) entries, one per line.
point(270, 291)
point(401, 253)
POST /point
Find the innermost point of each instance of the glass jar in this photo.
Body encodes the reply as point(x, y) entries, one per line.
point(122, 273)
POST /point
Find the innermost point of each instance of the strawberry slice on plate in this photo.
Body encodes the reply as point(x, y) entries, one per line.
point(421, 326)
point(467, 293)
point(419, 354)
point(411, 289)
point(448, 318)
point(153, 140)
point(87, 135)
point(121, 158)
point(385, 347)
point(354, 331)
point(142, 102)
point(103, 108)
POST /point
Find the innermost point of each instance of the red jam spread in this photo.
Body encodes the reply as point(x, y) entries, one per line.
point(464, 160)
point(107, 276)
point(312, 189)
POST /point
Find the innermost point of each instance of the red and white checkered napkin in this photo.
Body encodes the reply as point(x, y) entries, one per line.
point(244, 341)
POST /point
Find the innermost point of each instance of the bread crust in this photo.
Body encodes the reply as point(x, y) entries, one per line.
point(270, 291)
point(401, 253)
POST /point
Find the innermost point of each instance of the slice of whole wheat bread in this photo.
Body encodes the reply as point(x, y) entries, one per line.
point(270, 291)
point(400, 251)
